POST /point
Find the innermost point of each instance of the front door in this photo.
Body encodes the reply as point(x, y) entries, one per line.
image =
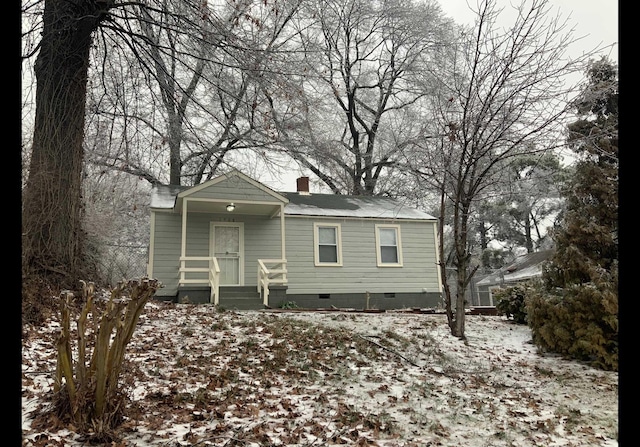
point(227, 247)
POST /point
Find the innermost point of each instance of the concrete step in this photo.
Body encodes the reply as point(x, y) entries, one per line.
point(240, 298)
point(239, 292)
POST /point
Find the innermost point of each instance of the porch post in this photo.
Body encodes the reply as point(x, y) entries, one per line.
point(438, 270)
point(183, 241)
point(282, 232)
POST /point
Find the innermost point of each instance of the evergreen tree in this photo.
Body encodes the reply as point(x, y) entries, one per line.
point(587, 237)
point(577, 312)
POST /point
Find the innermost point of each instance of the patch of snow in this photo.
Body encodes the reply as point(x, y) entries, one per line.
point(317, 378)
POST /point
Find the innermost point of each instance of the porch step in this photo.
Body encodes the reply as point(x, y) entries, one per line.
point(239, 292)
point(240, 298)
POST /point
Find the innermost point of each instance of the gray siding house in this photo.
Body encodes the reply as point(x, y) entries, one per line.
point(234, 242)
point(523, 268)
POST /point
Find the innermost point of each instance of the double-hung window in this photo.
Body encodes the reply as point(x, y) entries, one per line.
point(327, 244)
point(388, 246)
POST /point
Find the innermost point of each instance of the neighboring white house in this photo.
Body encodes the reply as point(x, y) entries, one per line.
point(523, 268)
point(234, 242)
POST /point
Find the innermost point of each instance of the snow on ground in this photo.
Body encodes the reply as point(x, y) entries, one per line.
point(197, 376)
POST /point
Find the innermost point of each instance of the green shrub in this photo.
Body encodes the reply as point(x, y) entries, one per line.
point(580, 322)
point(511, 303)
point(288, 305)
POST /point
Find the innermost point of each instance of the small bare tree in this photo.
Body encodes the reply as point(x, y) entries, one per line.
point(503, 94)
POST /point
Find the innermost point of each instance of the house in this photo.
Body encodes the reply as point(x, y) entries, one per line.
point(234, 242)
point(523, 268)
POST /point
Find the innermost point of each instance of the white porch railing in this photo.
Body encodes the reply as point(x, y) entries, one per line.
point(213, 271)
point(270, 271)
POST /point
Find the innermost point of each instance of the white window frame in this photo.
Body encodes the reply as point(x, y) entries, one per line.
point(398, 245)
point(316, 244)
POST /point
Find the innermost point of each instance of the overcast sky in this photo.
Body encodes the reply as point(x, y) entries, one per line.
point(597, 20)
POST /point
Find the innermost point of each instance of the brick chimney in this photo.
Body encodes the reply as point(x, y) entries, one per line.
point(302, 184)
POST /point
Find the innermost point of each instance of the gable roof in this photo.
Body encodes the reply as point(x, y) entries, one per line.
point(327, 205)
point(524, 267)
point(229, 175)
point(171, 196)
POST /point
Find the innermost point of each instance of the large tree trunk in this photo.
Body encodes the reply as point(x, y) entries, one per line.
point(51, 216)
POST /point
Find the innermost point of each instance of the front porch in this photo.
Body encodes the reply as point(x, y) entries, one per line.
point(270, 289)
point(233, 298)
point(232, 243)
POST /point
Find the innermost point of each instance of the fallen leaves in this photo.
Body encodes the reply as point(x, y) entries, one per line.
point(203, 377)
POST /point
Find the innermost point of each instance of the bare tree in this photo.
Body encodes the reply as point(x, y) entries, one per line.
point(116, 222)
point(503, 95)
point(530, 201)
point(52, 197)
point(200, 97)
point(351, 109)
point(66, 57)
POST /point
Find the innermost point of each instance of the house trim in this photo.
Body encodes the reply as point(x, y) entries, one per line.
point(316, 244)
point(437, 250)
point(398, 229)
point(152, 237)
point(248, 202)
point(283, 234)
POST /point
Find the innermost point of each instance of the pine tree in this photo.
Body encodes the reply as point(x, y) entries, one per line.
point(583, 274)
point(587, 239)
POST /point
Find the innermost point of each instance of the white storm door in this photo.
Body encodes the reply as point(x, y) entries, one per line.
point(228, 247)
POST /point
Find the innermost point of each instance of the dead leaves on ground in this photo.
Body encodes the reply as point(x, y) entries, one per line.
point(260, 370)
point(223, 379)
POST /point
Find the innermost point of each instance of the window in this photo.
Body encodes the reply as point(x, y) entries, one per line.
point(388, 246)
point(327, 244)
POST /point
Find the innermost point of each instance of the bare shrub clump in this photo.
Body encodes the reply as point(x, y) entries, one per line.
point(88, 395)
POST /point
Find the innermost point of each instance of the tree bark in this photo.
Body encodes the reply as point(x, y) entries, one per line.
point(51, 215)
